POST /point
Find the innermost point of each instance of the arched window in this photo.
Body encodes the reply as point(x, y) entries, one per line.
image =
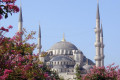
point(67, 63)
point(64, 62)
point(61, 63)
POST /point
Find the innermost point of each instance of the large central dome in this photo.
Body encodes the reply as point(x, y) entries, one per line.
point(63, 45)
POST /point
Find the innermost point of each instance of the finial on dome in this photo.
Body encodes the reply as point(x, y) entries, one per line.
point(63, 38)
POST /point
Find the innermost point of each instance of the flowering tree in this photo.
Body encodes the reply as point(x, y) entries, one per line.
point(18, 63)
point(16, 59)
point(102, 73)
point(6, 7)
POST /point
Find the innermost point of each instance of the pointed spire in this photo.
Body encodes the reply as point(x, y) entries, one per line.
point(20, 15)
point(98, 14)
point(63, 38)
point(39, 46)
point(39, 31)
point(101, 30)
point(20, 23)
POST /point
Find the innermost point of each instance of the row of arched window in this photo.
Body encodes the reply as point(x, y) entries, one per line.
point(61, 63)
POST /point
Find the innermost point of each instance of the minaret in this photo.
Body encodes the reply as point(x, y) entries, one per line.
point(39, 41)
point(20, 23)
point(102, 47)
point(97, 43)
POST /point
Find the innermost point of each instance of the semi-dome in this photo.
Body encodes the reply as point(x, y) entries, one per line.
point(61, 58)
point(63, 45)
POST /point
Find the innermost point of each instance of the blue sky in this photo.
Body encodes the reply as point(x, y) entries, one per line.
point(75, 18)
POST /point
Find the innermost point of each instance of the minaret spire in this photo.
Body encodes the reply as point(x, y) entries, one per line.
point(97, 42)
point(97, 14)
point(102, 47)
point(101, 30)
point(20, 23)
point(39, 32)
point(39, 41)
point(20, 15)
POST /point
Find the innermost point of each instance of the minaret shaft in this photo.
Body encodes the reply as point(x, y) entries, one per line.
point(102, 52)
point(102, 47)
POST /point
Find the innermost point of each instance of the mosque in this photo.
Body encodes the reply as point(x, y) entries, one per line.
point(63, 57)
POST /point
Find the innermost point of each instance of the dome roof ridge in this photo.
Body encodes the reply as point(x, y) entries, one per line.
point(63, 45)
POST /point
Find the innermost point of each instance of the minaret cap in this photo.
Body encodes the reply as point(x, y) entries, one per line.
point(39, 31)
point(101, 30)
point(63, 38)
point(97, 14)
point(20, 15)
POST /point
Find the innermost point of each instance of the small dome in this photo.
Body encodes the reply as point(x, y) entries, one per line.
point(64, 45)
point(87, 67)
point(61, 58)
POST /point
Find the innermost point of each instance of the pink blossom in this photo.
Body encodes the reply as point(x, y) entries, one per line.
point(7, 71)
point(10, 39)
point(6, 30)
point(18, 33)
point(9, 27)
point(4, 77)
point(45, 75)
point(26, 67)
point(30, 64)
point(20, 58)
point(19, 64)
point(13, 51)
point(2, 28)
point(10, 1)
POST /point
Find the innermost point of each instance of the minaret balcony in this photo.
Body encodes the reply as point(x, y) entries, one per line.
point(97, 30)
point(97, 58)
point(97, 44)
point(102, 57)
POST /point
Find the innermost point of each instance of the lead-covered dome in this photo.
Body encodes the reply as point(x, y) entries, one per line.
point(63, 45)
